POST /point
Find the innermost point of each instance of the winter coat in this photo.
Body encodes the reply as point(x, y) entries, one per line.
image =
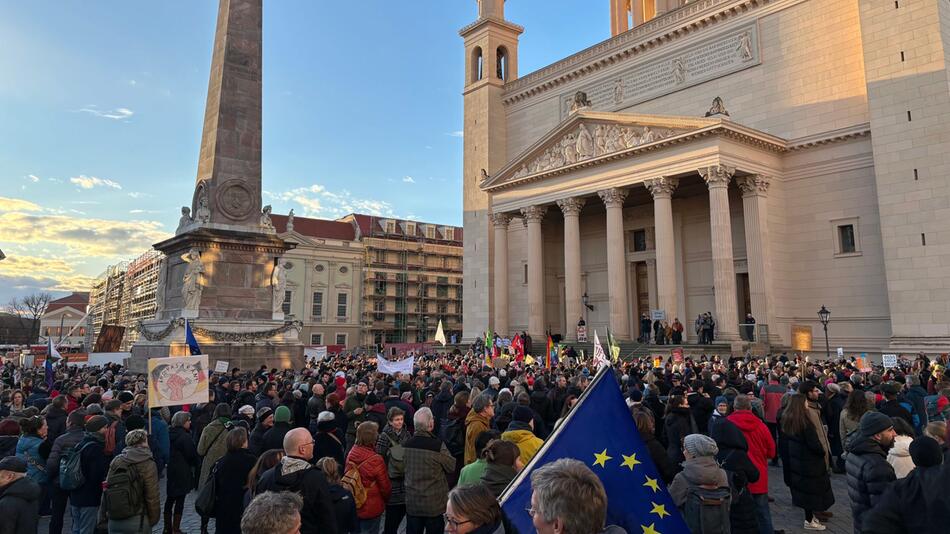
point(697, 471)
point(440, 407)
point(274, 437)
point(330, 444)
point(28, 450)
point(497, 477)
point(771, 395)
point(159, 438)
point(211, 447)
point(182, 463)
point(20, 507)
point(94, 465)
point(386, 439)
point(808, 478)
point(664, 466)
point(316, 516)
point(475, 424)
point(428, 464)
point(761, 446)
point(899, 456)
point(231, 480)
point(916, 504)
point(679, 424)
point(833, 409)
point(869, 475)
point(847, 427)
point(62, 444)
point(8, 445)
point(375, 479)
point(733, 456)
point(255, 441)
point(521, 435)
point(344, 508)
point(352, 419)
point(55, 423)
point(140, 459)
point(702, 408)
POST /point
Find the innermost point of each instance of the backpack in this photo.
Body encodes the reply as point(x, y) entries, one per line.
point(354, 482)
point(396, 464)
point(110, 438)
point(914, 416)
point(453, 434)
point(933, 412)
point(707, 510)
point(122, 493)
point(71, 476)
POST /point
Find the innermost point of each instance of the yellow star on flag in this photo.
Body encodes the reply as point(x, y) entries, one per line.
point(651, 483)
point(649, 529)
point(601, 459)
point(630, 461)
point(659, 509)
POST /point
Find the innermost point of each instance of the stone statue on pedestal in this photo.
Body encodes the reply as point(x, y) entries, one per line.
point(266, 224)
point(185, 220)
point(280, 285)
point(290, 221)
point(203, 213)
point(191, 282)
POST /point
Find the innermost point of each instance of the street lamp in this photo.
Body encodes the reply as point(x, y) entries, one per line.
point(586, 301)
point(824, 315)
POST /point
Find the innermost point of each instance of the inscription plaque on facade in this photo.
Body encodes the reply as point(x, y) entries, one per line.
point(728, 53)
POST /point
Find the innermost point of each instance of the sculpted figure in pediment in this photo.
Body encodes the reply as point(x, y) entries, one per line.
point(630, 137)
point(545, 160)
point(648, 135)
point(585, 144)
point(600, 140)
point(614, 141)
point(569, 149)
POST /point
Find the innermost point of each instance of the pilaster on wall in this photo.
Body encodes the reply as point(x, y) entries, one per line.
point(909, 101)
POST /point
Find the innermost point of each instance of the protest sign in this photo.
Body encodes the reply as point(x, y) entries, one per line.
point(221, 366)
point(178, 380)
point(315, 353)
point(840, 352)
point(890, 360)
point(678, 355)
point(390, 367)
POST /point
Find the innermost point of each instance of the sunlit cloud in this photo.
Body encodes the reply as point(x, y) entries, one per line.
point(114, 114)
point(456, 133)
point(33, 178)
point(408, 180)
point(18, 204)
point(317, 201)
point(88, 182)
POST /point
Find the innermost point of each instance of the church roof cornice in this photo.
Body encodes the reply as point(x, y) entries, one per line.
point(668, 27)
point(488, 21)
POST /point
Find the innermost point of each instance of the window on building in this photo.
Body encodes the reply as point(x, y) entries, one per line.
point(410, 228)
point(403, 257)
point(639, 240)
point(525, 268)
point(341, 304)
point(442, 308)
point(380, 288)
point(846, 238)
point(476, 64)
point(501, 63)
point(449, 234)
point(390, 227)
point(379, 310)
point(317, 307)
point(316, 339)
point(380, 256)
point(442, 289)
point(378, 338)
point(430, 232)
point(341, 339)
point(288, 300)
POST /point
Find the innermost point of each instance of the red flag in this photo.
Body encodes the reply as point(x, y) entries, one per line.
point(518, 345)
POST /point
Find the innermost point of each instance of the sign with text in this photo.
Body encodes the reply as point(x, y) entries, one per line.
point(391, 367)
point(890, 360)
point(678, 355)
point(801, 337)
point(177, 380)
point(658, 315)
point(221, 366)
point(582, 333)
point(315, 353)
point(840, 352)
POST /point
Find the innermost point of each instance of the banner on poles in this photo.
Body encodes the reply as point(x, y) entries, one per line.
point(315, 353)
point(177, 381)
point(389, 367)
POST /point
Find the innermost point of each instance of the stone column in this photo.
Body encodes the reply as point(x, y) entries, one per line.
point(717, 178)
point(754, 206)
point(571, 207)
point(662, 190)
point(500, 222)
point(532, 219)
point(616, 262)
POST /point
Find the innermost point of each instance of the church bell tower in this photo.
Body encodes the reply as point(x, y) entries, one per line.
point(491, 60)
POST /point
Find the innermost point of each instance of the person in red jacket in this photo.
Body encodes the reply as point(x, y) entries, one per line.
point(373, 474)
point(771, 396)
point(761, 448)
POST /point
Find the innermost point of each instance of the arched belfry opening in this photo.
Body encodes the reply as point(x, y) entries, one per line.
point(477, 64)
point(501, 63)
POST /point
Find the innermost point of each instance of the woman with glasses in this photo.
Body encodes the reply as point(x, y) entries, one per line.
point(473, 509)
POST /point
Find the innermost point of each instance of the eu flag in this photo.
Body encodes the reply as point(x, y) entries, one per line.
point(601, 433)
point(191, 341)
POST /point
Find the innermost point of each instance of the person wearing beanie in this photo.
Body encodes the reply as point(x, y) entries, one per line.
point(19, 497)
point(521, 432)
point(274, 437)
point(328, 441)
point(84, 500)
point(869, 473)
point(265, 421)
point(721, 409)
point(138, 457)
point(699, 469)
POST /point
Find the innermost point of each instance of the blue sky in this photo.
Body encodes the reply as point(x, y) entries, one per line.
point(101, 106)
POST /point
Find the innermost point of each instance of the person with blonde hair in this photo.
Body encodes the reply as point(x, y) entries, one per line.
point(344, 507)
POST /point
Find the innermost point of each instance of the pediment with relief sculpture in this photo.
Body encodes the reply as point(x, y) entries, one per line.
point(588, 138)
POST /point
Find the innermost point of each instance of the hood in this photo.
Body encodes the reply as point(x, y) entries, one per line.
point(901, 446)
point(704, 470)
point(176, 432)
point(728, 436)
point(745, 420)
point(137, 455)
point(518, 425)
point(24, 488)
point(360, 453)
point(866, 445)
point(475, 416)
point(517, 436)
point(498, 475)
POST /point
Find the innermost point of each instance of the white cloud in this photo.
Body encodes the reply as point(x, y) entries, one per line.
point(137, 194)
point(17, 204)
point(88, 182)
point(408, 179)
point(136, 212)
point(317, 201)
point(456, 133)
point(33, 178)
point(114, 114)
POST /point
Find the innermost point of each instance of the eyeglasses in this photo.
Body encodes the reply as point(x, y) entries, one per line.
point(454, 523)
point(531, 512)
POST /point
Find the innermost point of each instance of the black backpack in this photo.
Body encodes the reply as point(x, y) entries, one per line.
point(123, 490)
point(453, 434)
point(707, 510)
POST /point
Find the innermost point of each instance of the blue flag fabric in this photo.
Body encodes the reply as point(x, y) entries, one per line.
point(48, 366)
point(191, 341)
point(601, 433)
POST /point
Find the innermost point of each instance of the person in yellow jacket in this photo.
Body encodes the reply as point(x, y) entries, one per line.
point(521, 433)
point(477, 421)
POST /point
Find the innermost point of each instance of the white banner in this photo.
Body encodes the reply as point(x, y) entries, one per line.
point(890, 360)
point(392, 367)
point(221, 366)
point(315, 353)
point(600, 358)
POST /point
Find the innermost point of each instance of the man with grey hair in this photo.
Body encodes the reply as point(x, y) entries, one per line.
point(273, 513)
point(567, 497)
point(428, 463)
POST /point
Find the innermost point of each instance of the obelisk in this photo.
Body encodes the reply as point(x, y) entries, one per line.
point(223, 270)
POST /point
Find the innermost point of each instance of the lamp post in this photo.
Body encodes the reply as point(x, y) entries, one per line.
point(586, 301)
point(824, 316)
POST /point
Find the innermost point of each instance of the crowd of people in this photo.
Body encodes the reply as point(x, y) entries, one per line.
point(338, 447)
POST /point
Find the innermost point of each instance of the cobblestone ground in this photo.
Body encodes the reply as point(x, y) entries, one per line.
point(784, 516)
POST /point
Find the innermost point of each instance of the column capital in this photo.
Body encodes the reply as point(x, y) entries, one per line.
point(661, 186)
point(754, 185)
point(533, 213)
point(500, 220)
point(571, 206)
point(717, 175)
point(613, 197)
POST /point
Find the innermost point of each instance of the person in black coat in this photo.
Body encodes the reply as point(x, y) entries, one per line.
point(274, 438)
point(182, 462)
point(646, 425)
point(265, 420)
point(701, 406)
point(733, 456)
point(806, 465)
point(917, 503)
point(344, 507)
point(94, 465)
point(19, 498)
point(328, 440)
point(231, 482)
point(56, 419)
point(869, 473)
point(678, 423)
point(441, 404)
point(832, 416)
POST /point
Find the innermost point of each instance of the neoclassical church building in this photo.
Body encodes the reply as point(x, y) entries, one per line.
point(726, 156)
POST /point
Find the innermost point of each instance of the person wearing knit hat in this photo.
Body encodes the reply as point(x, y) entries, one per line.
point(926, 452)
point(520, 431)
point(85, 499)
point(265, 420)
point(869, 473)
point(96, 423)
point(699, 469)
point(274, 438)
point(19, 496)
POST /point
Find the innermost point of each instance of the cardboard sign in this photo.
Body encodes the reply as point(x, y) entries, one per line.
point(890, 360)
point(177, 381)
point(221, 366)
point(582, 334)
point(678, 355)
point(861, 362)
point(840, 352)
